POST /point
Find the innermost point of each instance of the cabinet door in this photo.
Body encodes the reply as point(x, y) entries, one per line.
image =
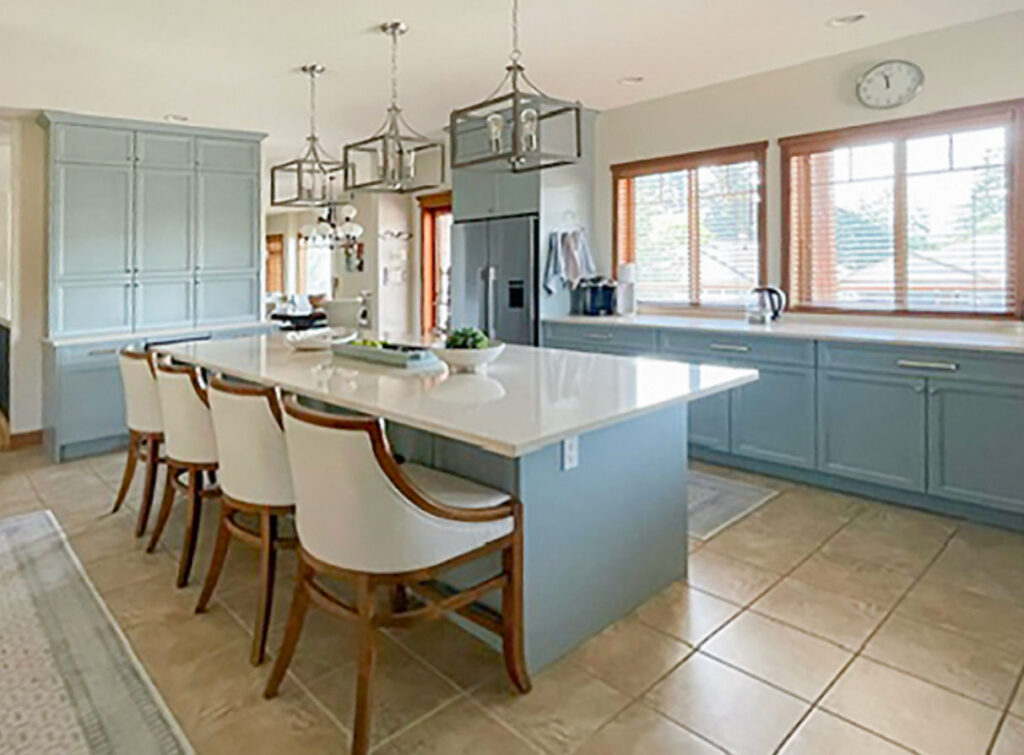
point(227, 298)
point(709, 422)
point(158, 150)
point(228, 155)
point(517, 193)
point(91, 403)
point(473, 194)
point(165, 302)
point(91, 224)
point(92, 144)
point(974, 433)
point(872, 427)
point(773, 417)
point(80, 307)
point(164, 202)
point(228, 222)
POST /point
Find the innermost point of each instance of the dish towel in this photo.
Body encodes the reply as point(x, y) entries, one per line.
point(569, 260)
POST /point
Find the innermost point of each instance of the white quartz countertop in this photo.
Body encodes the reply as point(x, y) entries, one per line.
point(991, 336)
point(528, 398)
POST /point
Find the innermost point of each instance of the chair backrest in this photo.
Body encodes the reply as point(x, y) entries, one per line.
point(141, 401)
point(251, 454)
point(188, 429)
point(349, 510)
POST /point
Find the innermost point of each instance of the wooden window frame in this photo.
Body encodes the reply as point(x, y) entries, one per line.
point(431, 205)
point(1009, 113)
point(623, 220)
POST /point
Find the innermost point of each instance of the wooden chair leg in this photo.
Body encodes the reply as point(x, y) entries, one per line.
point(268, 564)
point(152, 464)
point(367, 603)
point(220, 552)
point(512, 616)
point(129, 473)
point(296, 616)
point(165, 509)
point(192, 517)
point(399, 598)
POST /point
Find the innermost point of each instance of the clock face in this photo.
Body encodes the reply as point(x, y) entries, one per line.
point(890, 84)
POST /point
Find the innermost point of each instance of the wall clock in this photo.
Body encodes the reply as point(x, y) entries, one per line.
point(890, 84)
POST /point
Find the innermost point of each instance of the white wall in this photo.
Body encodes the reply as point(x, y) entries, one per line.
point(963, 65)
point(28, 272)
point(5, 228)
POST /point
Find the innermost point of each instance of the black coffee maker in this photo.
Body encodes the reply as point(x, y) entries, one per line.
point(597, 296)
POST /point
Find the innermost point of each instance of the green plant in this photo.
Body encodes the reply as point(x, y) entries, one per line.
point(467, 338)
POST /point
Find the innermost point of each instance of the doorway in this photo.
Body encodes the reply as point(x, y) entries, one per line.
point(436, 241)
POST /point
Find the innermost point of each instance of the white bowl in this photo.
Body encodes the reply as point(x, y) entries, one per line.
point(319, 339)
point(469, 360)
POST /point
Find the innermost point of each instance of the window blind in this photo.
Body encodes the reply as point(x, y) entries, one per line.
point(919, 218)
point(693, 224)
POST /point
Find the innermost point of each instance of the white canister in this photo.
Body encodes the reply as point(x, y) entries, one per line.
point(625, 298)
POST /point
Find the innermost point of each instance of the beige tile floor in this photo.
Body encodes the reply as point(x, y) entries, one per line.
point(821, 623)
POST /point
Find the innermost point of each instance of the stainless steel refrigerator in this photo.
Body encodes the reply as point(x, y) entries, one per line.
point(494, 277)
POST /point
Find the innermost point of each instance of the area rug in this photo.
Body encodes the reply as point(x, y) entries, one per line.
point(69, 681)
point(716, 502)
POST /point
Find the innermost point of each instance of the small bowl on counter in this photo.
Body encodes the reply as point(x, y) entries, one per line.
point(469, 360)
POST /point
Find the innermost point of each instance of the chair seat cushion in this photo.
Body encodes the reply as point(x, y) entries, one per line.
point(453, 490)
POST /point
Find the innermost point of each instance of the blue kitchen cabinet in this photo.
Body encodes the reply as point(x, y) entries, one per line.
point(91, 306)
point(773, 418)
point(99, 145)
point(226, 298)
point(163, 150)
point(479, 193)
point(974, 432)
point(871, 427)
point(231, 155)
point(708, 422)
point(164, 227)
point(228, 223)
point(91, 220)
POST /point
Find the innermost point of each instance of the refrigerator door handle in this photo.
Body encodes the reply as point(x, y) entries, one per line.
point(490, 273)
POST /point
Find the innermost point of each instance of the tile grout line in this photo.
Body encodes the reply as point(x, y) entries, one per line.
point(816, 704)
point(1006, 711)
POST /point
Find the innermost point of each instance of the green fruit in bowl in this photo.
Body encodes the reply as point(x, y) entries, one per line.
point(467, 338)
point(368, 342)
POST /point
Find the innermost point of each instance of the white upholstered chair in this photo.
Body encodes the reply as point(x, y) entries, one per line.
point(255, 479)
point(145, 428)
point(191, 452)
point(363, 518)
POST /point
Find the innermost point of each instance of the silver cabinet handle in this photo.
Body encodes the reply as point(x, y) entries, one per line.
point(919, 388)
point(912, 364)
point(101, 352)
point(598, 336)
point(730, 347)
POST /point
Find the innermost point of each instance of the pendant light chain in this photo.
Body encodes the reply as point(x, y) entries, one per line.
point(394, 68)
point(516, 53)
point(312, 105)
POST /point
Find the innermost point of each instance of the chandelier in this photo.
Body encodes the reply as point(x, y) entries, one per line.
point(523, 129)
point(337, 227)
point(397, 158)
point(308, 180)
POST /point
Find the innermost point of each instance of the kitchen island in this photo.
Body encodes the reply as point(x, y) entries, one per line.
point(594, 445)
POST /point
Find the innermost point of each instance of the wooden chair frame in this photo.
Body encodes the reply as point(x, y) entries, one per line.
point(439, 599)
point(266, 538)
point(193, 488)
point(141, 447)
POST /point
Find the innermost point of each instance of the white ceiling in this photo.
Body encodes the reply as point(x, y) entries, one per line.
point(232, 63)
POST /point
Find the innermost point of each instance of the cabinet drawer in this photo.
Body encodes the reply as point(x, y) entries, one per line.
point(717, 346)
point(92, 355)
point(601, 336)
point(920, 362)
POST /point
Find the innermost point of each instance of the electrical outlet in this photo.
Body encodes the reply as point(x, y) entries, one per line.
point(570, 453)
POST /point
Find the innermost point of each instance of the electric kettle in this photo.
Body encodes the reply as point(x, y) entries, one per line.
point(765, 303)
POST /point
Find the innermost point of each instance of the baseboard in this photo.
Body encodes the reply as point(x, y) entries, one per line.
point(24, 440)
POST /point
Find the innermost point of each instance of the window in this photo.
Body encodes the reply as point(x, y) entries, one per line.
point(694, 225)
point(910, 216)
point(435, 234)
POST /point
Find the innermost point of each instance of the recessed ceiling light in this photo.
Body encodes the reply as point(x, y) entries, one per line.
point(630, 80)
point(839, 21)
point(175, 118)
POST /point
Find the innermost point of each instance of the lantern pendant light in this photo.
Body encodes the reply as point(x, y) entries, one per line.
point(397, 158)
point(308, 180)
point(521, 130)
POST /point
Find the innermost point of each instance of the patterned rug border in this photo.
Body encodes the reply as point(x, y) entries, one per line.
point(769, 494)
point(171, 721)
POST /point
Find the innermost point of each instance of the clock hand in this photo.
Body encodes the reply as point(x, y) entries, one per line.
point(887, 83)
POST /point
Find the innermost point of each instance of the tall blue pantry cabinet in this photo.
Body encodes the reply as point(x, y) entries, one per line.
point(154, 232)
